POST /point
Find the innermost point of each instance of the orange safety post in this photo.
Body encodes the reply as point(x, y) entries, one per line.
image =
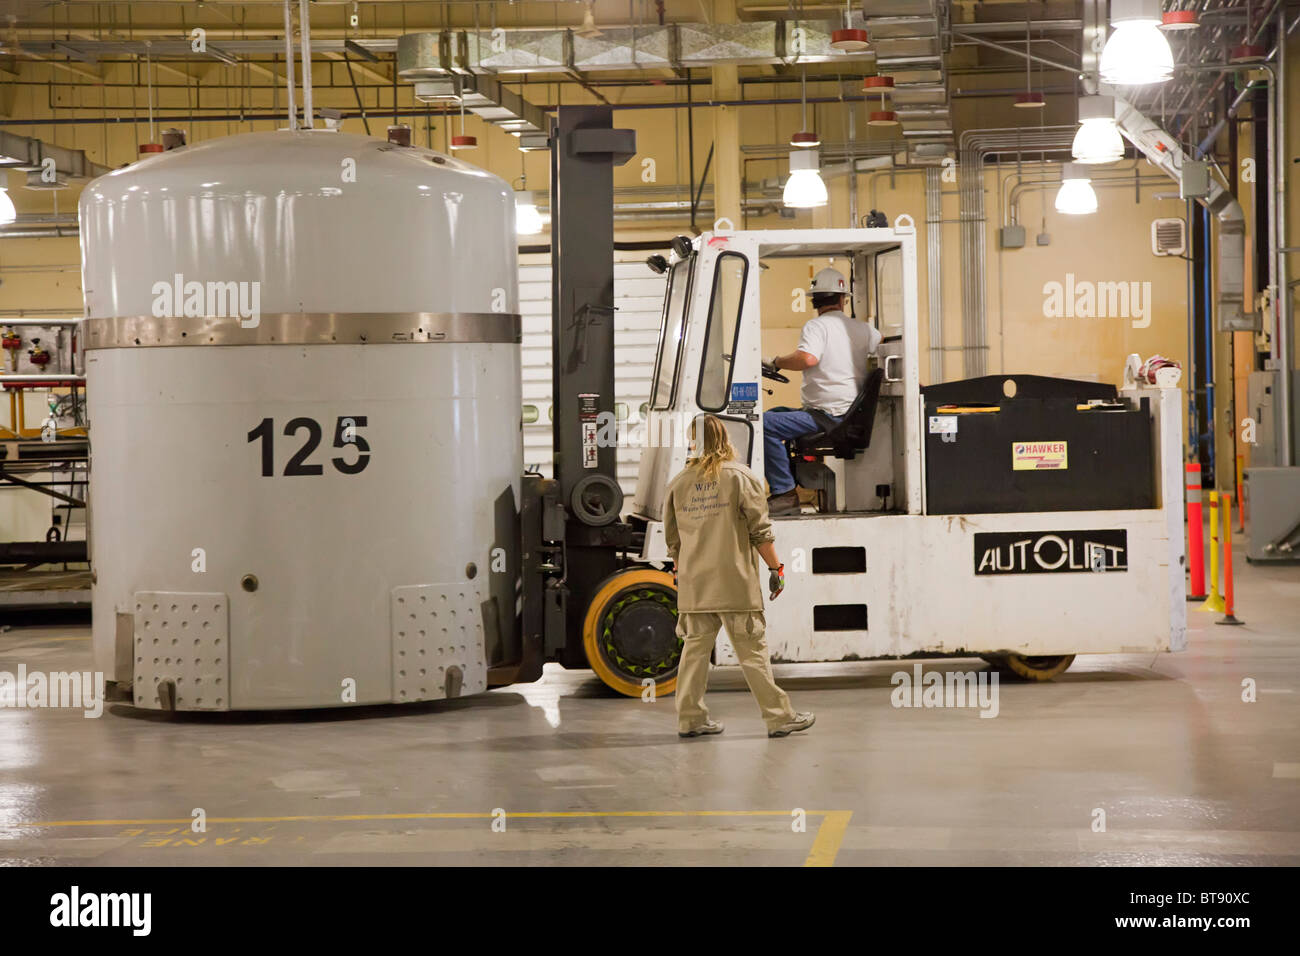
point(1228, 616)
point(1215, 601)
point(1195, 535)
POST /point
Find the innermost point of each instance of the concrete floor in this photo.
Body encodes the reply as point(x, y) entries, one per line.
point(1185, 771)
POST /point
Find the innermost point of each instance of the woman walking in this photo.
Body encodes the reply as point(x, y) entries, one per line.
point(717, 527)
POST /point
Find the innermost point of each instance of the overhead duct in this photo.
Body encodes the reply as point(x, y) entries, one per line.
point(486, 98)
point(672, 46)
point(1164, 152)
point(906, 37)
point(47, 166)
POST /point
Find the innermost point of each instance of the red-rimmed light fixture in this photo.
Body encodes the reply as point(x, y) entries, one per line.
point(464, 140)
point(805, 138)
point(871, 85)
point(1179, 20)
point(146, 148)
point(848, 38)
point(1030, 99)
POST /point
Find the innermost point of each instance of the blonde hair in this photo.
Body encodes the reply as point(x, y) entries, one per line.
point(714, 446)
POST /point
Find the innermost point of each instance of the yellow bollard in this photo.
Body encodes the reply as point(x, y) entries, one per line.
point(1215, 601)
point(1241, 495)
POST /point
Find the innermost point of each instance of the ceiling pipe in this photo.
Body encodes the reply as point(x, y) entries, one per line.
point(1025, 54)
point(1165, 152)
point(1250, 37)
point(288, 64)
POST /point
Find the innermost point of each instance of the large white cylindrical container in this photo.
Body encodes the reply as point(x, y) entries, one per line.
point(304, 393)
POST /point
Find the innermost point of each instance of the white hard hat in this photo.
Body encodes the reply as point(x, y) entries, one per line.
point(831, 281)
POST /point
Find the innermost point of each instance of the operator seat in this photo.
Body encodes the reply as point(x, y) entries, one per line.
point(853, 432)
point(845, 439)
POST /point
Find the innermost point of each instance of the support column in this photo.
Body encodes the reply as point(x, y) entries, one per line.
point(725, 171)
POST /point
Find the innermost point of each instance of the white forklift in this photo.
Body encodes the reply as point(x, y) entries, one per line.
point(1018, 518)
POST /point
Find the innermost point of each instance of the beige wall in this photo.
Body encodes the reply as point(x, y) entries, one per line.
point(41, 276)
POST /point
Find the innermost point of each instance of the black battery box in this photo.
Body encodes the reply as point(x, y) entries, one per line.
point(1053, 445)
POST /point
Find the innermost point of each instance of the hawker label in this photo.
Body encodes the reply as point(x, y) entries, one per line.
point(1048, 552)
point(1039, 456)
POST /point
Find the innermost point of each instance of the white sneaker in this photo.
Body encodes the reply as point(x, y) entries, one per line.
point(801, 722)
point(704, 730)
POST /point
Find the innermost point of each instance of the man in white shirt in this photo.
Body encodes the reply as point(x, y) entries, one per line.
point(833, 355)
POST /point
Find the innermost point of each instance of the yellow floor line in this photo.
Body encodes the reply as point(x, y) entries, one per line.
point(829, 837)
point(533, 814)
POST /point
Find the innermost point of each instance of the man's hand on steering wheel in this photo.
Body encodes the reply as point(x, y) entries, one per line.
point(770, 371)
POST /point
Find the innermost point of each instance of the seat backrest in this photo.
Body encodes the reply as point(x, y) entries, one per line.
point(853, 433)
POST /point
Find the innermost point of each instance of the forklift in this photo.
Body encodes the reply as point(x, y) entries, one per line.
point(1018, 518)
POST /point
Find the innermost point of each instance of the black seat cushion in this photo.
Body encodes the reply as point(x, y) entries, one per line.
point(853, 432)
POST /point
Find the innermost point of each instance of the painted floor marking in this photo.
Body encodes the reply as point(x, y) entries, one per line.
point(826, 842)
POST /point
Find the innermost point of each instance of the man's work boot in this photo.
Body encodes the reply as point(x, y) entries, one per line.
point(784, 504)
point(801, 722)
point(704, 730)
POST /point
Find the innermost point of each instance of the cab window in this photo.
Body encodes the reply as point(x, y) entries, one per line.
point(670, 336)
point(723, 331)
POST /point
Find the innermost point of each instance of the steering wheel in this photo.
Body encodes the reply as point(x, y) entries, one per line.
point(769, 371)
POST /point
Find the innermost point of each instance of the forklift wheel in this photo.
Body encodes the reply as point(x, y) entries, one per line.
point(1031, 668)
point(630, 632)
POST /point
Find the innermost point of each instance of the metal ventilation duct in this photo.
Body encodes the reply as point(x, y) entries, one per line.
point(671, 46)
point(31, 155)
point(906, 36)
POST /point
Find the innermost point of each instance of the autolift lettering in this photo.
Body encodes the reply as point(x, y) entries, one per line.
point(1051, 552)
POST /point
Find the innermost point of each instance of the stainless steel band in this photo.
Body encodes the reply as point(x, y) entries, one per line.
point(303, 328)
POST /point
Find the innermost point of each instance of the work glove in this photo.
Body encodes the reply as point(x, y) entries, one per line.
point(775, 581)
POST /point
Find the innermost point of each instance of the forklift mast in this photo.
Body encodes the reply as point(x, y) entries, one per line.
point(573, 537)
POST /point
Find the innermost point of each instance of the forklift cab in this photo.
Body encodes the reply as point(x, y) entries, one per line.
point(709, 360)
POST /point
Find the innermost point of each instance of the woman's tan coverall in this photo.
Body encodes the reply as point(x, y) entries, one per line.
point(712, 529)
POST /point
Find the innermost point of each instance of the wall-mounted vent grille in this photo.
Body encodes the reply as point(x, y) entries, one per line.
point(1169, 237)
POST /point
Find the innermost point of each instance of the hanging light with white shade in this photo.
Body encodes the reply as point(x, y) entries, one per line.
point(1076, 196)
point(1136, 53)
point(1098, 139)
point(804, 189)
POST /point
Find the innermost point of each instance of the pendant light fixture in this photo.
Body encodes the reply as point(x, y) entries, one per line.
point(528, 221)
point(849, 39)
point(871, 85)
point(463, 141)
point(7, 211)
point(1136, 53)
point(1173, 21)
point(1076, 196)
point(804, 189)
point(1030, 99)
point(1098, 139)
point(805, 138)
